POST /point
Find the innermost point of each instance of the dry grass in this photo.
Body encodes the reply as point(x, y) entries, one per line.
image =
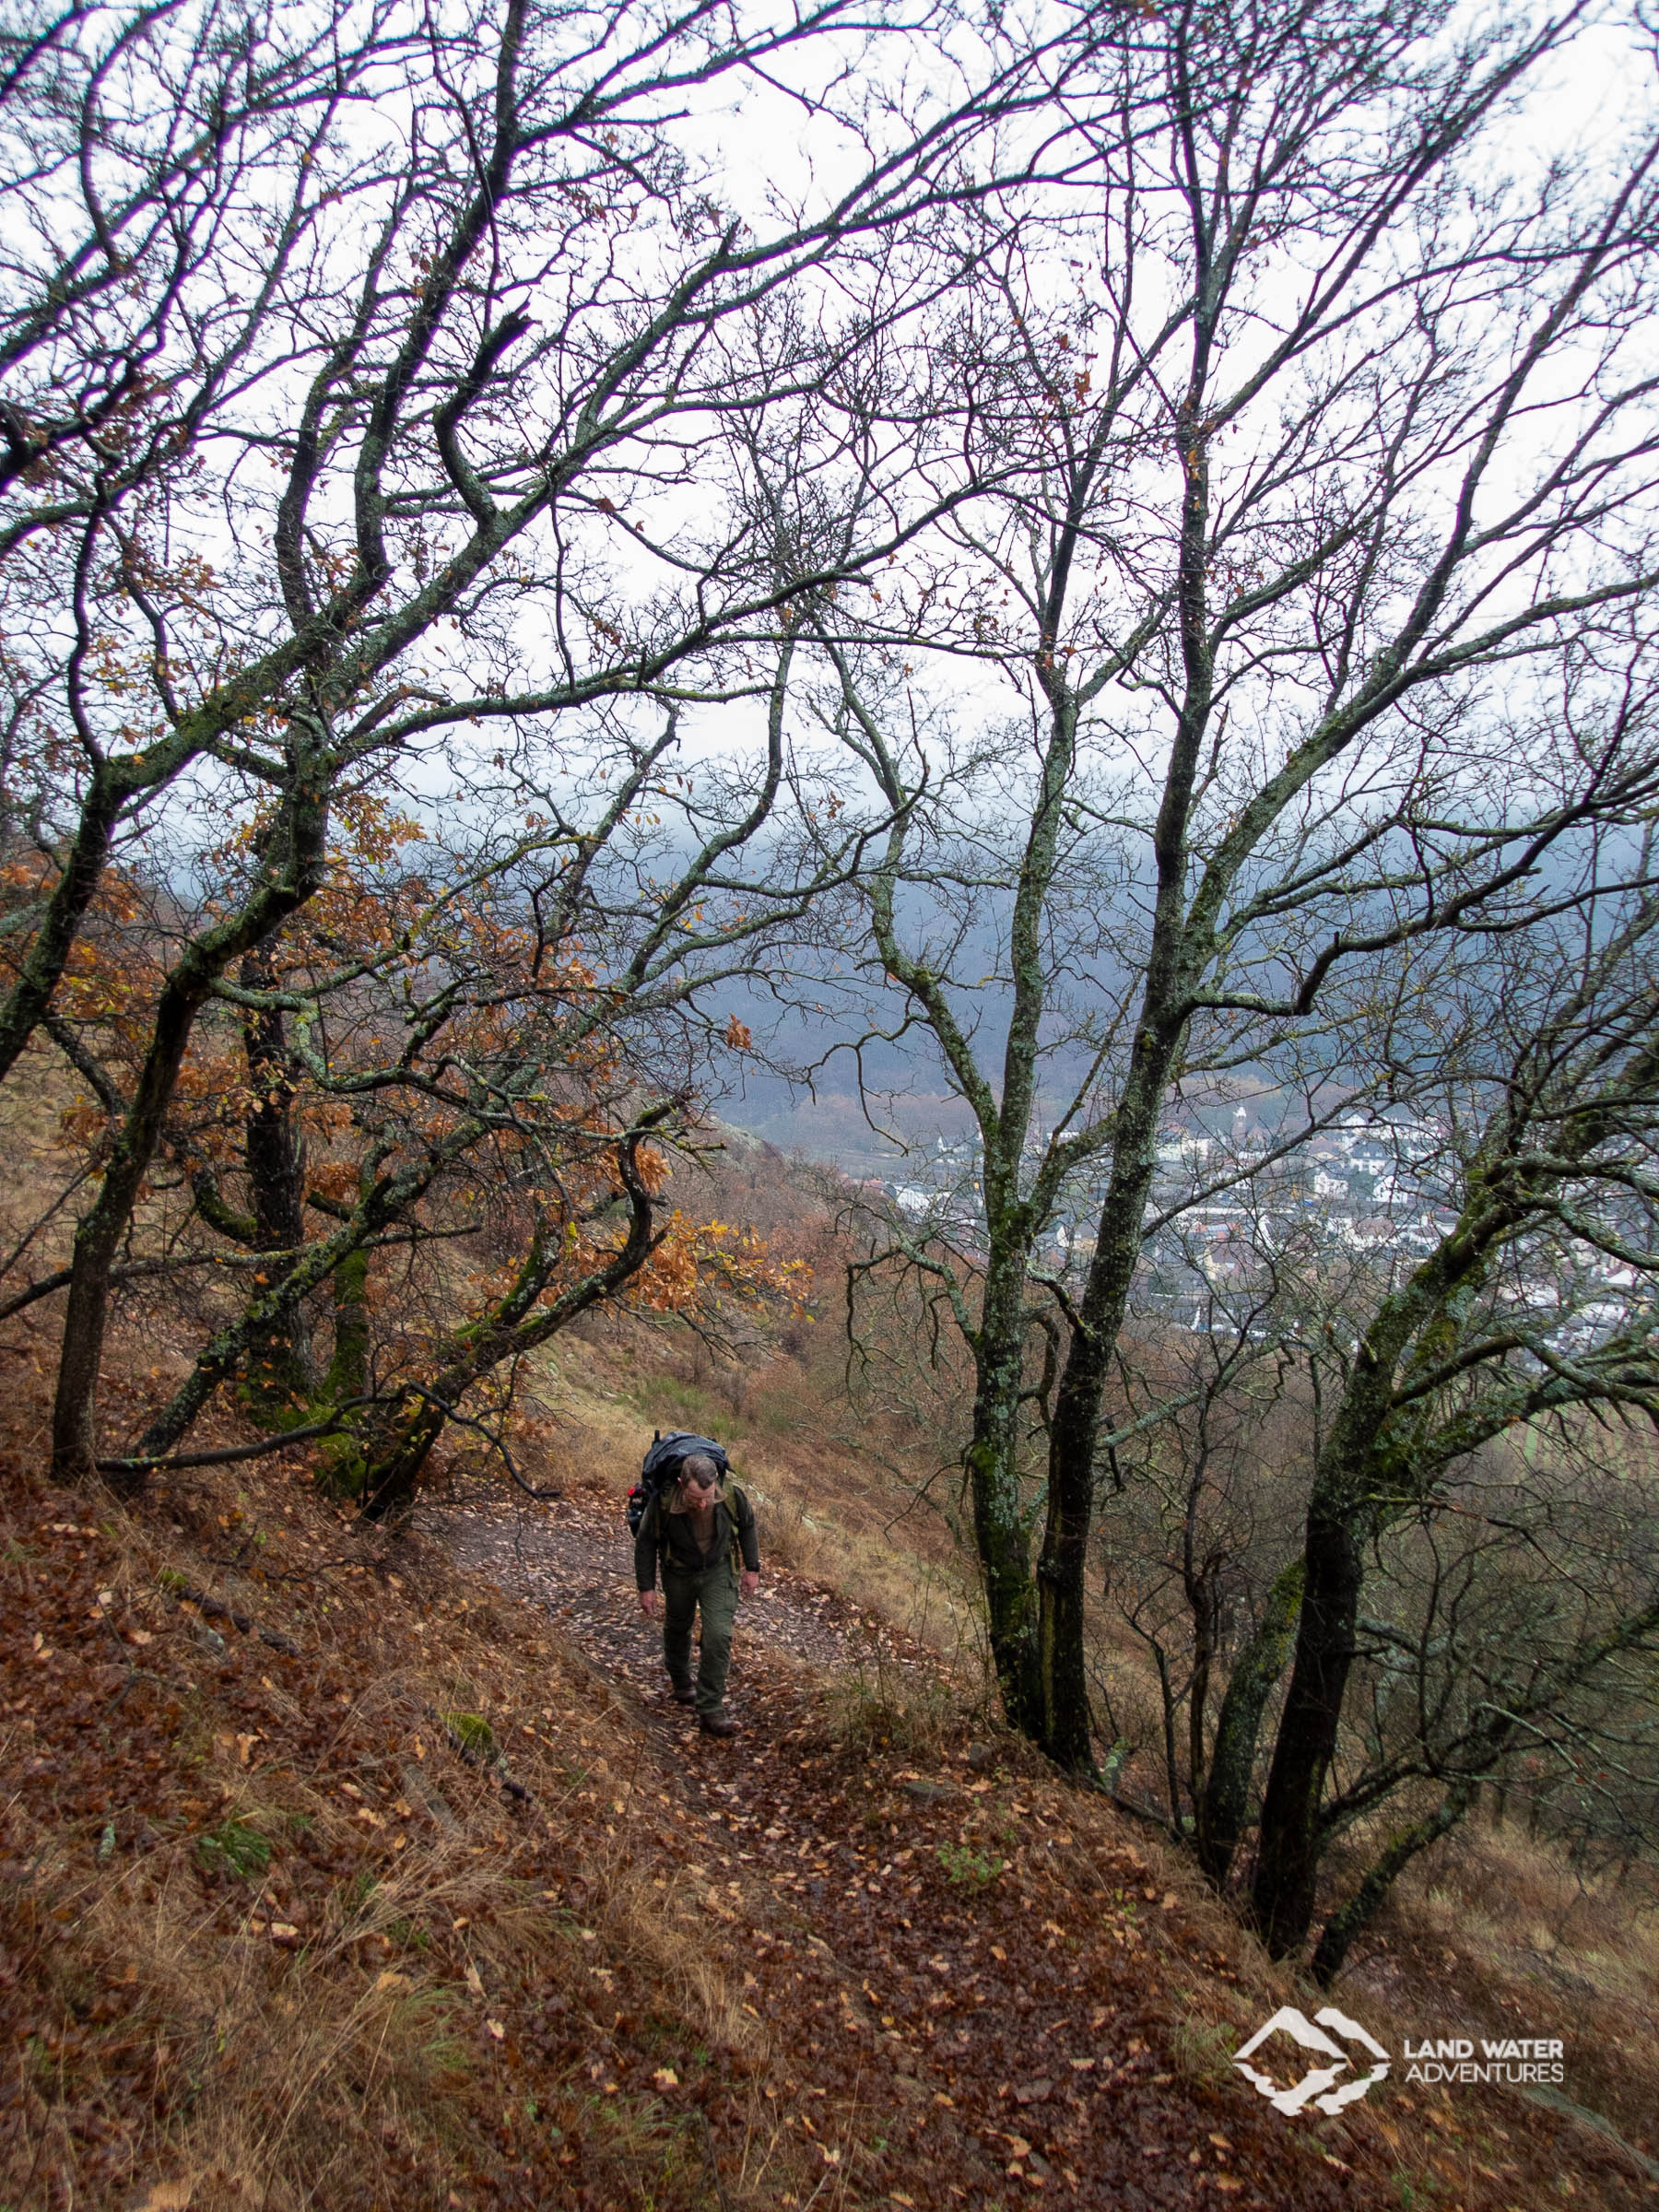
point(1491, 1934)
point(1501, 1930)
point(274, 2068)
point(877, 1705)
point(848, 1519)
point(273, 1942)
point(483, 2014)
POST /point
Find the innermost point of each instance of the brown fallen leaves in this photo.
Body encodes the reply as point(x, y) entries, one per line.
point(771, 1961)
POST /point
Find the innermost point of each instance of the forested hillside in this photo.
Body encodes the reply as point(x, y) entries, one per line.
point(350, 1866)
point(1051, 607)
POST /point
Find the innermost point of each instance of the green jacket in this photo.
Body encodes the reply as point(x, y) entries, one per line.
point(669, 1534)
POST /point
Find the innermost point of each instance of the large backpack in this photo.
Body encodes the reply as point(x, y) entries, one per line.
point(662, 1465)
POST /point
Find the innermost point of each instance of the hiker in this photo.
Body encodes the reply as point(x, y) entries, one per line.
point(695, 1533)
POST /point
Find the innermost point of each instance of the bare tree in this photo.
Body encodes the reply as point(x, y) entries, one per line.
point(1318, 555)
point(1536, 1302)
point(482, 1047)
point(1208, 1474)
point(1452, 1543)
point(1508, 1634)
point(171, 177)
point(457, 458)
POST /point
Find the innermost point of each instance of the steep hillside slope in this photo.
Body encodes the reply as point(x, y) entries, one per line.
point(345, 1869)
point(338, 1871)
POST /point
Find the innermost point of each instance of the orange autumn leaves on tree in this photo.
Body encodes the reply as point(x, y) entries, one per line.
point(414, 1122)
point(712, 1262)
point(115, 972)
point(105, 997)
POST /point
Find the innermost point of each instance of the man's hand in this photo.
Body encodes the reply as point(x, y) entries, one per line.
point(648, 1604)
point(751, 1582)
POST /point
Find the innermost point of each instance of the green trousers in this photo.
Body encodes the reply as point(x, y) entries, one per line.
point(715, 1590)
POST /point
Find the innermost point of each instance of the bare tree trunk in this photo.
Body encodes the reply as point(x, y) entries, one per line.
point(279, 1364)
point(96, 1241)
point(394, 1462)
point(1288, 1862)
point(1202, 1604)
point(1353, 1472)
point(1002, 1535)
point(1064, 1723)
point(992, 1458)
point(1390, 1864)
point(1221, 1811)
point(348, 1365)
point(1157, 1037)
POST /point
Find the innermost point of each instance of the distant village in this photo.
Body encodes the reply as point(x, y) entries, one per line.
point(1369, 1191)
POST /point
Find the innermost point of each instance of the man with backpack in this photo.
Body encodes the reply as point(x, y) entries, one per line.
point(697, 1536)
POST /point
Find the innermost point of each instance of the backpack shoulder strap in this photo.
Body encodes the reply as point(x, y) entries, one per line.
point(743, 1519)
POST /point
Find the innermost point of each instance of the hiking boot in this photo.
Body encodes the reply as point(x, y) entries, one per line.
point(684, 1694)
point(718, 1722)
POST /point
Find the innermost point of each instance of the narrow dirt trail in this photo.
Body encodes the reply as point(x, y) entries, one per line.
point(963, 1973)
point(577, 1561)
